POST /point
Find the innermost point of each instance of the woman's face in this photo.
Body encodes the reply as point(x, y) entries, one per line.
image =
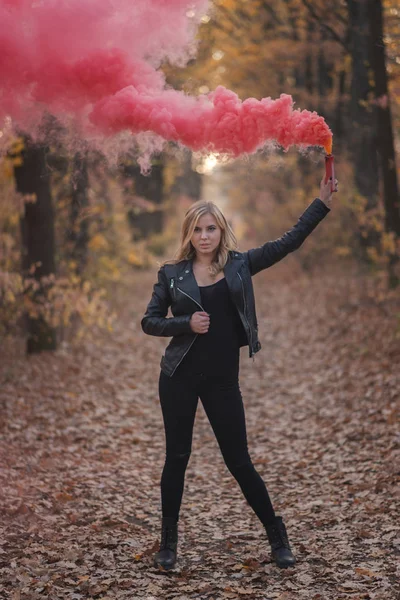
point(206, 236)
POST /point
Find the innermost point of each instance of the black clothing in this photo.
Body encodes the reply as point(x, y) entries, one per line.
point(210, 371)
point(177, 287)
point(216, 351)
point(222, 401)
point(207, 365)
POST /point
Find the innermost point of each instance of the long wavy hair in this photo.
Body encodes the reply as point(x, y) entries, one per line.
point(186, 250)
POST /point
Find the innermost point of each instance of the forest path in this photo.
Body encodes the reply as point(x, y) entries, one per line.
point(82, 450)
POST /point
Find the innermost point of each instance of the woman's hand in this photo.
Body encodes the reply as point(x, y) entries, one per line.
point(200, 322)
point(325, 193)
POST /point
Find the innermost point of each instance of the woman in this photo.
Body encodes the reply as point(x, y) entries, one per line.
point(209, 289)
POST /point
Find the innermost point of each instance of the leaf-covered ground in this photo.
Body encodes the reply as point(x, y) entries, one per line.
point(82, 450)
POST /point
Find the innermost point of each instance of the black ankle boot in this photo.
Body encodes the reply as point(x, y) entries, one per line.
point(166, 556)
point(280, 547)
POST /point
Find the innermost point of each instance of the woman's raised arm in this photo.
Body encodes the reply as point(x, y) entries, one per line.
point(271, 252)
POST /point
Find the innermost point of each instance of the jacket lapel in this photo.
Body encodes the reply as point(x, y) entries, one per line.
point(231, 268)
point(186, 281)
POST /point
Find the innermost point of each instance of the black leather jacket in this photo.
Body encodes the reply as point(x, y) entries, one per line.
point(177, 288)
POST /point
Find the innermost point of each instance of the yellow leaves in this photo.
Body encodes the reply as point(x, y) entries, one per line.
point(14, 156)
point(86, 287)
point(98, 242)
point(73, 279)
point(14, 219)
point(9, 253)
point(134, 259)
point(347, 63)
point(229, 5)
point(16, 161)
point(7, 171)
point(373, 254)
point(376, 224)
point(110, 268)
point(56, 300)
point(65, 316)
point(98, 209)
point(342, 251)
point(386, 248)
point(9, 297)
point(388, 241)
point(359, 204)
point(11, 286)
point(17, 146)
point(370, 223)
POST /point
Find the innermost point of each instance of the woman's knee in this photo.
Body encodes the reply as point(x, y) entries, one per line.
point(236, 467)
point(177, 459)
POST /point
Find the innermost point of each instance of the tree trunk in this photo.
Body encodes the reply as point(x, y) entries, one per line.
point(190, 182)
point(79, 232)
point(309, 71)
point(340, 108)
point(145, 221)
point(386, 149)
point(38, 240)
point(363, 137)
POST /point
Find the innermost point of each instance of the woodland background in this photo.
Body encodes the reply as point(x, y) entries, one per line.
point(81, 437)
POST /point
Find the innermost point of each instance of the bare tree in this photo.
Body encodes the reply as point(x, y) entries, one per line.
point(385, 139)
point(38, 239)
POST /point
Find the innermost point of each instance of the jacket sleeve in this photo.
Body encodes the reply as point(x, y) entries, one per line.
point(155, 321)
point(271, 252)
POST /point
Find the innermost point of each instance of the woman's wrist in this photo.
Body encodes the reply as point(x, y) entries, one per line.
point(327, 202)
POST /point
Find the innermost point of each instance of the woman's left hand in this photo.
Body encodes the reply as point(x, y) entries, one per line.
point(325, 193)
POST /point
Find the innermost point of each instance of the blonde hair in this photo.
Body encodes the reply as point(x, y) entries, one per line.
point(186, 249)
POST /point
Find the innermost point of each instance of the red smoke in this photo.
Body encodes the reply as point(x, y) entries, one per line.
point(97, 60)
point(219, 122)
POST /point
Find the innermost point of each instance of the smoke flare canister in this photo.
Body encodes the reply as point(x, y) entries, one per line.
point(330, 170)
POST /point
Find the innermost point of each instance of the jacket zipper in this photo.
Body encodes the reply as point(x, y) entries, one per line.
point(191, 298)
point(195, 337)
point(245, 310)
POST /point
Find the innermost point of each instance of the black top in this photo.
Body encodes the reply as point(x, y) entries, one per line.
point(217, 351)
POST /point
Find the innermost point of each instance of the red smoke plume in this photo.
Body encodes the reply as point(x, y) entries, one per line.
point(95, 62)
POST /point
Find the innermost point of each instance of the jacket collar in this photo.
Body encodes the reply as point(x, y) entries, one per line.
point(186, 280)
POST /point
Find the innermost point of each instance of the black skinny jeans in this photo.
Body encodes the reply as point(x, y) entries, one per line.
point(222, 401)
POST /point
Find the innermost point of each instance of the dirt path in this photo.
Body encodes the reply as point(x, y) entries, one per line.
point(82, 449)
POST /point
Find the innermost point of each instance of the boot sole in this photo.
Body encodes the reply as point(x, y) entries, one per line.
point(164, 567)
point(283, 566)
